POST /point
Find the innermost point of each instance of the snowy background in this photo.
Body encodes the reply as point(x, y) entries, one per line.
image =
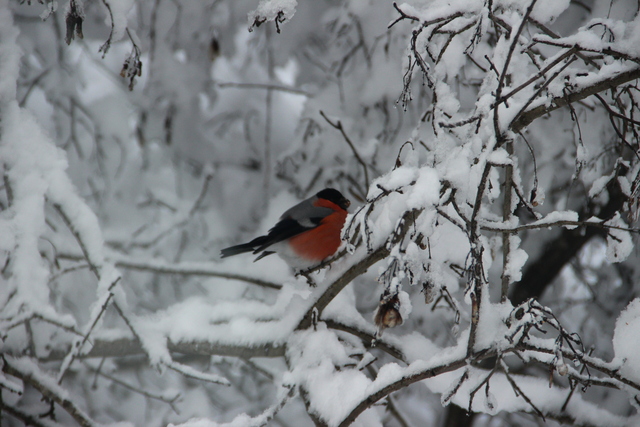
point(491, 150)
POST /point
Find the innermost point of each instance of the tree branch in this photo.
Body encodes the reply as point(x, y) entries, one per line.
point(47, 387)
point(357, 269)
point(122, 347)
point(182, 268)
point(528, 116)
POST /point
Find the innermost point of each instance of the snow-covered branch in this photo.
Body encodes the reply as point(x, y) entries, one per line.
point(26, 370)
point(189, 268)
point(490, 153)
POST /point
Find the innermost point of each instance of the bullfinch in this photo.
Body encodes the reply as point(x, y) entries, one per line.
point(305, 235)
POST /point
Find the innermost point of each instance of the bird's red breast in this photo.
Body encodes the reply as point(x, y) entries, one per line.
point(324, 240)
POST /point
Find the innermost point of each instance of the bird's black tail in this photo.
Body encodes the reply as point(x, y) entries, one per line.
point(245, 247)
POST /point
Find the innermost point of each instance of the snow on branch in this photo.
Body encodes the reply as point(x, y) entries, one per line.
point(549, 403)
point(331, 288)
point(498, 139)
point(189, 372)
point(121, 347)
point(596, 85)
point(100, 306)
point(29, 372)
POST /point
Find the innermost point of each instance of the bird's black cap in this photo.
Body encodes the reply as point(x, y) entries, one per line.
point(334, 196)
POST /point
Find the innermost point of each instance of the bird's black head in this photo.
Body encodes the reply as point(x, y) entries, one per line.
point(334, 196)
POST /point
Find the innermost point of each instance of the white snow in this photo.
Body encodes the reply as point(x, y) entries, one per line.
point(548, 10)
point(75, 144)
point(516, 260)
point(625, 340)
point(619, 242)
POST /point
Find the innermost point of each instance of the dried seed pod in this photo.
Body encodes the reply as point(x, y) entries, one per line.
point(73, 20)
point(537, 197)
point(387, 314)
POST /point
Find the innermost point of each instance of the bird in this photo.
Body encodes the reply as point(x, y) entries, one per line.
point(305, 234)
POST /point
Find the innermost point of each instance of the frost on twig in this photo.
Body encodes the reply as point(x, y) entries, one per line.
point(192, 373)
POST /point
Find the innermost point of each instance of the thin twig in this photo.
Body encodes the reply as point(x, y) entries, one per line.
point(107, 44)
point(264, 86)
point(519, 391)
point(159, 397)
point(338, 125)
point(203, 192)
point(181, 268)
point(605, 51)
point(503, 74)
point(536, 76)
point(189, 372)
point(77, 348)
point(542, 87)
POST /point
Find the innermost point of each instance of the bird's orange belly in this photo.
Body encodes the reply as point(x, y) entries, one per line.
point(321, 242)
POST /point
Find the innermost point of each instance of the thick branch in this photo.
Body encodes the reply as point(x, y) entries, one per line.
point(457, 363)
point(130, 347)
point(401, 383)
point(527, 117)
